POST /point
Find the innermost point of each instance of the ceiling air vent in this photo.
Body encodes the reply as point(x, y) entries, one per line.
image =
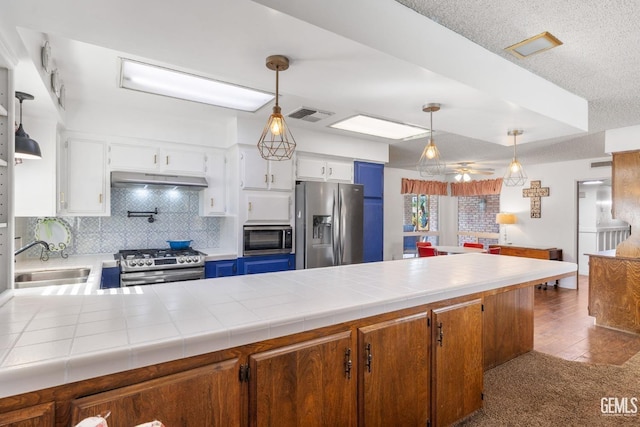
point(309, 114)
point(601, 164)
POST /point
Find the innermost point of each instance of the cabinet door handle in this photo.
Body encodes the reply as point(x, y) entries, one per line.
point(347, 363)
point(266, 178)
point(271, 178)
point(212, 202)
point(167, 160)
point(100, 198)
point(249, 206)
point(330, 171)
point(440, 334)
point(322, 173)
point(155, 159)
point(367, 349)
point(62, 197)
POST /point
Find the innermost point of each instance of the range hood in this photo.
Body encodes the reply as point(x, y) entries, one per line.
point(137, 179)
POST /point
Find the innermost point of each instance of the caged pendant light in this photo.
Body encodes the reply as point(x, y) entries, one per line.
point(515, 175)
point(276, 141)
point(26, 148)
point(430, 163)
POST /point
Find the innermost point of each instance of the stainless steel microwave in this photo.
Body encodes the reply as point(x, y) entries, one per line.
point(267, 239)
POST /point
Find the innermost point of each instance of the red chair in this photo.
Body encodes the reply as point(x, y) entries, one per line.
point(494, 250)
point(422, 244)
point(473, 245)
point(424, 251)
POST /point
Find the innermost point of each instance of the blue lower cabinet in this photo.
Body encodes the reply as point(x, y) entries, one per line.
point(266, 264)
point(223, 268)
point(110, 278)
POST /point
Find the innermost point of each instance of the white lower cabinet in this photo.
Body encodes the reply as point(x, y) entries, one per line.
point(213, 198)
point(84, 188)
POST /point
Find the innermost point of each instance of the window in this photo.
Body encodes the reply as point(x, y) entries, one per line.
point(419, 221)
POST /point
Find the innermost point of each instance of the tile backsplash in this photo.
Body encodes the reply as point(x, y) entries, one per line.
point(177, 219)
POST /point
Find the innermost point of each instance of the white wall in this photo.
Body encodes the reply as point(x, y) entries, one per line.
point(34, 180)
point(558, 226)
point(622, 139)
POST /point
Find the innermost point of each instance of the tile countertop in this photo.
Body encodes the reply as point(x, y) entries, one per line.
point(56, 339)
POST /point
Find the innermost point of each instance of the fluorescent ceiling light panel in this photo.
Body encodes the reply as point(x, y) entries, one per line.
point(175, 84)
point(379, 127)
point(596, 182)
point(540, 43)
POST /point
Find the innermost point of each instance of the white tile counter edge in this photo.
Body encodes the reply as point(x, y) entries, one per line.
point(159, 323)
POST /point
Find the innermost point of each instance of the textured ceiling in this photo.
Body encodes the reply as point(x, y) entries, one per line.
point(599, 60)
point(347, 58)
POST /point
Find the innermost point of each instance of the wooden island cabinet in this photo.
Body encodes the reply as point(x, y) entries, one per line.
point(415, 366)
point(418, 364)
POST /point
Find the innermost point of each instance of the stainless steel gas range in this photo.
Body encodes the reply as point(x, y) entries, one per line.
point(149, 266)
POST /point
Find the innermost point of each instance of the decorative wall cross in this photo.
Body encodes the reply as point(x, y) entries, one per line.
point(535, 193)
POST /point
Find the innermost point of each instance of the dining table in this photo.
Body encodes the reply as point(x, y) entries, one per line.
point(442, 249)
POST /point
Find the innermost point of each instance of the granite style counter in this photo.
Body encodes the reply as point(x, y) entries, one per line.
point(49, 340)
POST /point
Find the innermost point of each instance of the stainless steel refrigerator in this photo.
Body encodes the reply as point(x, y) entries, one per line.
point(329, 224)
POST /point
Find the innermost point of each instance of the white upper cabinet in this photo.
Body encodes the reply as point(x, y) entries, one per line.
point(213, 199)
point(314, 169)
point(83, 184)
point(143, 158)
point(260, 174)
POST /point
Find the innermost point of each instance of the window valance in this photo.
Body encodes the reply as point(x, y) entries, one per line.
point(417, 186)
point(477, 188)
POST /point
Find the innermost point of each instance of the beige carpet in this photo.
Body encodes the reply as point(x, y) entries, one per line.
point(536, 389)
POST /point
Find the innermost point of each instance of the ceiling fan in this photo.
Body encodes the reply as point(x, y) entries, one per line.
point(464, 170)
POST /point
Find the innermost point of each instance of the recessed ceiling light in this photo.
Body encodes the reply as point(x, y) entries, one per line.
point(536, 44)
point(176, 84)
point(379, 127)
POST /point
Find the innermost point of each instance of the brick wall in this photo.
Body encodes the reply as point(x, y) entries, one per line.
point(473, 216)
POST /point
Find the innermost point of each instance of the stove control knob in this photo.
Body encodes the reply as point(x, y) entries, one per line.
point(181, 260)
point(194, 259)
point(149, 262)
point(187, 259)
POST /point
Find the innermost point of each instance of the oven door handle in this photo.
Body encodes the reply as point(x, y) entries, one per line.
point(149, 277)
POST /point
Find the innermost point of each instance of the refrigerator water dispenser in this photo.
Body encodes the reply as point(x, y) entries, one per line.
point(322, 229)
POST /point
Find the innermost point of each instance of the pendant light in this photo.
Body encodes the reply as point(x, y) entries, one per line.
point(26, 148)
point(276, 141)
point(430, 163)
point(515, 175)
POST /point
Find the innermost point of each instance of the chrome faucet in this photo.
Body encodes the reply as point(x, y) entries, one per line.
point(43, 256)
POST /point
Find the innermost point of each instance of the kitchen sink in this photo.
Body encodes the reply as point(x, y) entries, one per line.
point(37, 278)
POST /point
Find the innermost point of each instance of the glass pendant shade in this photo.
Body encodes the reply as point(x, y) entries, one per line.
point(25, 148)
point(430, 163)
point(515, 176)
point(276, 141)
